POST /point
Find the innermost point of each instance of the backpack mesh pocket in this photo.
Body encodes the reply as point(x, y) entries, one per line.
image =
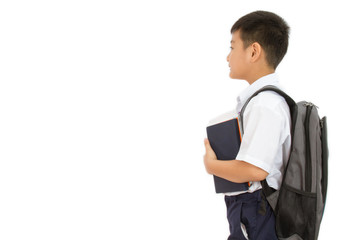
point(300, 204)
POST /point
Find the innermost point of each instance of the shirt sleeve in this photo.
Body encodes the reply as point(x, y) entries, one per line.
point(261, 140)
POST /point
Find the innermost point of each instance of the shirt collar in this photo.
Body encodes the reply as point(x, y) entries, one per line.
point(270, 79)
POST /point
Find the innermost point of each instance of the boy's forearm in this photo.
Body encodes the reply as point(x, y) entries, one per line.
point(236, 171)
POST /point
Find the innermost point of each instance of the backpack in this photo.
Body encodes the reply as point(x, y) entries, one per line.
point(299, 203)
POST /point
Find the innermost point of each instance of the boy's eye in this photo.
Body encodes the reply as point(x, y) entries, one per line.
point(231, 48)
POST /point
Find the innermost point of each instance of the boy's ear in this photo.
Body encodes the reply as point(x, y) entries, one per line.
point(256, 51)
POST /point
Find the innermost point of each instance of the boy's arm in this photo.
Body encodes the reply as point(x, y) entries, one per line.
point(232, 170)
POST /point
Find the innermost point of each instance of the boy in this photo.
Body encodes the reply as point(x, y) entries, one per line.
point(259, 43)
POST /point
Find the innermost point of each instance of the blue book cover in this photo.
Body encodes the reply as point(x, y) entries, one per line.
point(225, 140)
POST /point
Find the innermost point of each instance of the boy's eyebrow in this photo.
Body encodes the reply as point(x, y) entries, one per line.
point(232, 41)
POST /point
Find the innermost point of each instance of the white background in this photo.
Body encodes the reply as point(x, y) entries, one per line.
point(104, 104)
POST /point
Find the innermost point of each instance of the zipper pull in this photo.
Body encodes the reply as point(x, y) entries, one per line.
point(310, 104)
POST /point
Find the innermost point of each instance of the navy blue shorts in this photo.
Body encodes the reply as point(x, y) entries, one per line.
point(253, 211)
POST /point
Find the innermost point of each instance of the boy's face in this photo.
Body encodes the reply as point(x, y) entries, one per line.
point(238, 58)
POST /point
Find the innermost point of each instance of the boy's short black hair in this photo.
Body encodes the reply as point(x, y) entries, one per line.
point(269, 30)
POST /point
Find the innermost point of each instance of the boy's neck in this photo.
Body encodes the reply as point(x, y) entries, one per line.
point(259, 74)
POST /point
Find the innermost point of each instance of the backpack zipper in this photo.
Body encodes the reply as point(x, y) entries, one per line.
point(309, 104)
point(308, 167)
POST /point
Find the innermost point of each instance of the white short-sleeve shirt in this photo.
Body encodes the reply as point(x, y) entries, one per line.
point(266, 140)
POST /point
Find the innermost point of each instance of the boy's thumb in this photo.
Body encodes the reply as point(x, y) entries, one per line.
point(206, 142)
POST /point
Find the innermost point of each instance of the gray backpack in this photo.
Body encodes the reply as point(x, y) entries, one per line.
point(299, 203)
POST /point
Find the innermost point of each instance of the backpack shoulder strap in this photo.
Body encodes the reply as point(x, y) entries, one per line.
point(293, 112)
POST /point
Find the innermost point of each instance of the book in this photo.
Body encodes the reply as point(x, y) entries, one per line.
point(225, 139)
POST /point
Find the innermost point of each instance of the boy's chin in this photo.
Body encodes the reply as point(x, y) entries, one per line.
point(237, 77)
point(233, 76)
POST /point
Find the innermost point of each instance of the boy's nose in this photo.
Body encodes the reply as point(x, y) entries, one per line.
point(227, 58)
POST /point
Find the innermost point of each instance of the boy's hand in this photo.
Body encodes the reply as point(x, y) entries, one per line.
point(209, 156)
